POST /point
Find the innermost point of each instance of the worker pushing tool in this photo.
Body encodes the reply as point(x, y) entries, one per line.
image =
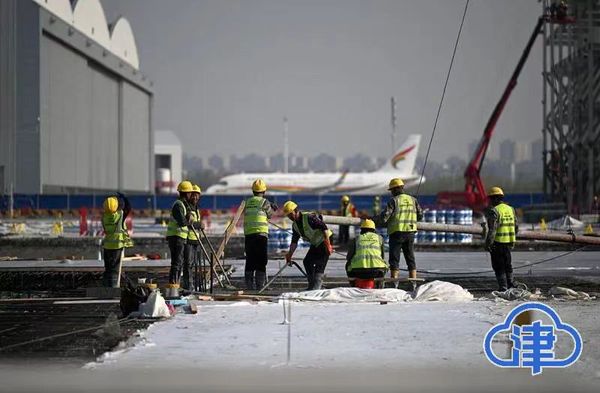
point(501, 236)
point(192, 242)
point(310, 227)
point(116, 238)
point(347, 209)
point(178, 229)
point(366, 258)
point(257, 212)
point(401, 215)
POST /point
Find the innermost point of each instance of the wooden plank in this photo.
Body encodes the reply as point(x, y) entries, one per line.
point(230, 229)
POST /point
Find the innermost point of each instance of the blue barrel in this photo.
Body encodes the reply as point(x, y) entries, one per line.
point(430, 215)
point(431, 237)
point(450, 216)
point(273, 242)
point(440, 237)
point(440, 216)
point(450, 237)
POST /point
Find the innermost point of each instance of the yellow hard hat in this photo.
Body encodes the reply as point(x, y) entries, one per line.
point(185, 186)
point(495, 191)
point(367, 224)
point(111, 204)
point(196, 188)
point(259, 185)
point(289, 207)
point(396, 182)
point(345, 198)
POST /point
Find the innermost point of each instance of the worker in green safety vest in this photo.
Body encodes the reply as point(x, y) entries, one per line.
point(191, 245)
point(178, 230)
point(501, 236)
point(116, 237)
point(347, 209)
point(257, 212)
point(311, 228)
point(401, 215)
point(365, 258)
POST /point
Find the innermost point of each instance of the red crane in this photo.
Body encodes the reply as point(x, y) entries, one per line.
point(475, 195)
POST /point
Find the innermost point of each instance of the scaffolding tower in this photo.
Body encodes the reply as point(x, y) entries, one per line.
point(571, 102)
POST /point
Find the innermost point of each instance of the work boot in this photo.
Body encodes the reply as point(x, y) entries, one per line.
point(412, 273)
point(249, 279)
point(318, 281)
point(395, 273)
point(260, 279)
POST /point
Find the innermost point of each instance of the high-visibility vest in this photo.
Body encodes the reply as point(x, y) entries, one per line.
point(505, 232)
point(173, 229)
point(347, 210)
point(193, 218)
point(404, 218)
point(255, 218)
point(313, 236)
point(368, 252)
point(115, 231)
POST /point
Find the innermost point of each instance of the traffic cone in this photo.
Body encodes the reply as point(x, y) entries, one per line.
point(543, 225)
point(588, 230)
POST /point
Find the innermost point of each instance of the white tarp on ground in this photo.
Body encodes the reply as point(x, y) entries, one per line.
point(566, 222)
point(432, 291)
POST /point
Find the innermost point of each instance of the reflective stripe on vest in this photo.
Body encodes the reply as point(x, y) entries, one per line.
point(173, 229)
point(193, 218)
point(505, 232)
point(368, 252)
point(255, 218)
point(404, 218)
point(313, 236)
point(115, 231)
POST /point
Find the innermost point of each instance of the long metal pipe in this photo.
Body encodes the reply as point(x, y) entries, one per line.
point(477, 230)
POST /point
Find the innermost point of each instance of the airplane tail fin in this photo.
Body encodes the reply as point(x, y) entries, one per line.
point(404, 159)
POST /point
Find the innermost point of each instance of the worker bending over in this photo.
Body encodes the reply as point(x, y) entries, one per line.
point(401, 215)
point(116, 237)
point(311, 228)
point(178, 229)
point(365, 258)
point(501, 236)
point(191, 245)
point(347, 209)
point(257, 212)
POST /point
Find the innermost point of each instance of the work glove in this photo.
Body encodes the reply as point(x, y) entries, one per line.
point(198, 225)
point(274, 206)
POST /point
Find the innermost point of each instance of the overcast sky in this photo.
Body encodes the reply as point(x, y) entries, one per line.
point(226, 72)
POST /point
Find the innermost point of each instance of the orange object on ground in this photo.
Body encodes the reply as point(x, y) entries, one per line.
point(364, 283)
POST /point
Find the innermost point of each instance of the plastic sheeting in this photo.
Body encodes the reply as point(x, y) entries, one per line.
point(432, 291)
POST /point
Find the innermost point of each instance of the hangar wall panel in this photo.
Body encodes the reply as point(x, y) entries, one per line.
point(136, 138)
point(80, 121)
point(8, 30)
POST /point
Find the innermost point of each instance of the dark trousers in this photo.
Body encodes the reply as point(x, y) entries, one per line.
point(402, 242)
point(256, 253)
point(315, 262)
point(367, 273)
point(112, 260)
point(502, 265)
point(190, 253)
point(177, 248)
point(344, 234)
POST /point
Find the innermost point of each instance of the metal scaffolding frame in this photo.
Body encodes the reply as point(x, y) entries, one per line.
point(571, 102)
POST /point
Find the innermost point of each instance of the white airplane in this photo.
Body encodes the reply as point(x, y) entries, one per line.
point(366, 183)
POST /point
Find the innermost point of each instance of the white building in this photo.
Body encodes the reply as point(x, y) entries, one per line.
point(168, 161)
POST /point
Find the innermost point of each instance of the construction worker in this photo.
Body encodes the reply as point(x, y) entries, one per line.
point(501, 236)
point(116, 237)
point(257, 212)
point(376, 206)
point(401, 215)
point(347, 209)
point(192, 242)
point(365, 258)
point(178, 229)
point(310, 227)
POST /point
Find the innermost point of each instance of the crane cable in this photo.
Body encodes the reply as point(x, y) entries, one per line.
point(442, 98)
